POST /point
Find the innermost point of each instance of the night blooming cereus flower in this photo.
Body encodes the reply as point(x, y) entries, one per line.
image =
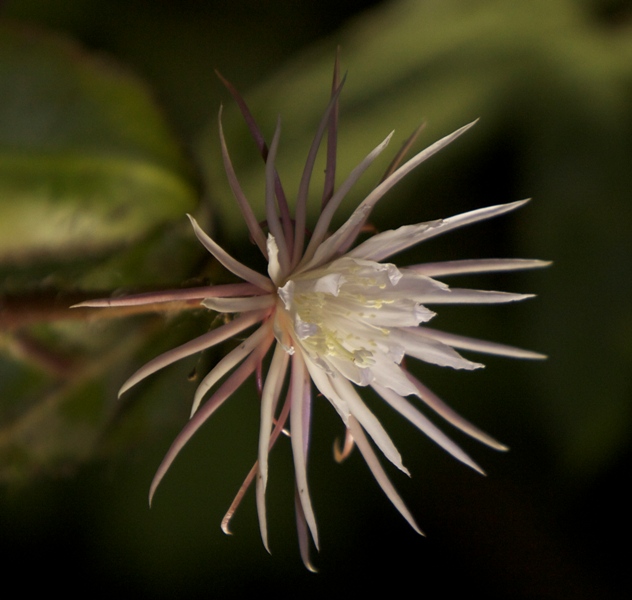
point(335, 314)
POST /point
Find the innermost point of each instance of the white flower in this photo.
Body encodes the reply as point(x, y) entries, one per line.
point(337, 315)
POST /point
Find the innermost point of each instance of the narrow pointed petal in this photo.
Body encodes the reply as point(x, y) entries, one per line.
point(330, 247)
point(299, 426)
point(369, 422)
point(278, 428)
point(257, 136)
point(483, 346)
point(401, 153)
point(431, 350)
point(443, 410)
point(481, 265)
point(269, 398)
point(233, 358)
point(247, 115)
point(274, 266)
point(332, 137)
point(233, 265)
point(274, 224)
point(303, 189)
point(198, 344)
point(465, 296)
point(384, 245)
point(244, 206)
point(225, 390)
point(378, 472)
point(341, 454)
point(323, 381)
point(303, 533)
point(378, 193)
point(324, 220)
point(225, 525)
point(387, 243)
point(239, 305)
point(419, 420)
point(183, 295)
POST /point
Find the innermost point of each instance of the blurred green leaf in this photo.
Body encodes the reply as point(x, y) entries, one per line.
point(90, 174)
point(87, 161)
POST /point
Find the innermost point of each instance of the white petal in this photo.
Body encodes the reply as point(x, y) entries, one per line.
point(391, 375)
point(198, 344)
point(233, 265)
point(431, 350)
point(237, 305)
point(323, 381)
point(378, 472)
point(274, 223)
point(483, 346)
point(228, 362)
point(402, 406)
point(303, 329)
point(387, 243)
point(324, 220)
point(402, 313)
point(479, 265)
point(329, 284)
point(465, 296)
point(346, 238)
point(368, 421)
point(274, 266)
point(299, 427)
point(452, 417)
point(269, 398)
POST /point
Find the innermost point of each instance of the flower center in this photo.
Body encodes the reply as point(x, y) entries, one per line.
point(341, 315)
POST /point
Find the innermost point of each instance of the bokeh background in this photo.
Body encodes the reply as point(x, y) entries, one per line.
point(108, 135)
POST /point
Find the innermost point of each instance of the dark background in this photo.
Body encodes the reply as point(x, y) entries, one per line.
point(552, 83)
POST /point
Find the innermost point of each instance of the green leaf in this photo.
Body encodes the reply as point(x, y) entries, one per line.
point(87, 161)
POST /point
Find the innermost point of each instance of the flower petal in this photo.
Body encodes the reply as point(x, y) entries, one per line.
point(480, 265)
point(225, 391)
point(274, 223)
point(349, 236)
point(431, 350)
point(269, 398)
point(299, 426)
point(244, 206)
point(368, 421)
point(303, 189)
point(324, 220)
point(483, 346)
point(239, 305)
point(257, 136)
point(452, 417)
point(230, 360)
point(196, 345)
point(378, 472)
point(465, 296)
point(407, 410)
point(233, 265)
point(383, 245)
point(182, 295)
